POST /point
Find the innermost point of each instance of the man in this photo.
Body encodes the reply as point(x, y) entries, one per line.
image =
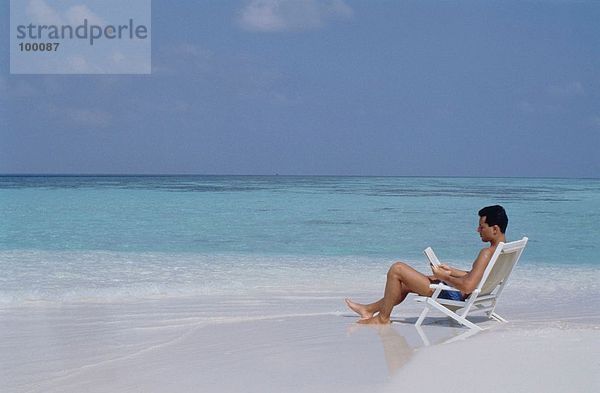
point(403, 279)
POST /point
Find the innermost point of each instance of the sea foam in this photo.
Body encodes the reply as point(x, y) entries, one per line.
point(102, 276)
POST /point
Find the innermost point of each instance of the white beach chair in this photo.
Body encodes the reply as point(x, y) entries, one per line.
point(485, 296)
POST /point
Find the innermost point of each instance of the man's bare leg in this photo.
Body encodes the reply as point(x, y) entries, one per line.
point(365, 311)
point(401, 280)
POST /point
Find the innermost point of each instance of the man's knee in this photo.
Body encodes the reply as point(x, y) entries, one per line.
point(397, 269)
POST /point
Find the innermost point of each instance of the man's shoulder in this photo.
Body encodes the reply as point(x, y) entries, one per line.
point(487, 250)
point(486, 253)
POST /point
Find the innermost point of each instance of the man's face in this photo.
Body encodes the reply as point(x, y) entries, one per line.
point(485, 231)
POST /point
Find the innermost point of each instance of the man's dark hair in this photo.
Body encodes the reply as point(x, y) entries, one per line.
point(495, 215)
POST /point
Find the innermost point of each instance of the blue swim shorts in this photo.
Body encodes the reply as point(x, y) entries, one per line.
point(450, 295)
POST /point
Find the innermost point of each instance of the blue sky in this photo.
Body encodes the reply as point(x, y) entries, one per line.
point(436, 88)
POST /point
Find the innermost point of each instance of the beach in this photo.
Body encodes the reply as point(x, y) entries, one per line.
point(238, 284)
point(292, 344)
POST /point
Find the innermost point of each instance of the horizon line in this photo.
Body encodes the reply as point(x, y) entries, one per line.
point(277, 175)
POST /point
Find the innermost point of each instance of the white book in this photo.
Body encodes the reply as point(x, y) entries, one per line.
point(433, 259)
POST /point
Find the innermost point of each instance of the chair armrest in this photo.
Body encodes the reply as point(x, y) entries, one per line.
point(444, 287)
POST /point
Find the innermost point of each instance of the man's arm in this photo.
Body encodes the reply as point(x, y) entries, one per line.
point(468, 282)
point(454, 272)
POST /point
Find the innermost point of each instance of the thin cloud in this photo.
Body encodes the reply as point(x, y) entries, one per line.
point(21, 88)
point(192, 51)
point(291, 15)
point(184, 56)
point(119, 60)
point(553, 98)
point(77, 13)
point(42, 13)
point(568, 90)
point(526, 107)
point(78, 65)
point(91, 118)
point(78, 117)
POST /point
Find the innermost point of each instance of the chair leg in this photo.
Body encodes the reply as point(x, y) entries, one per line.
point(497, 317)
point(466, 322)
point(422, 316)
point(455, 316)
point(423, 335)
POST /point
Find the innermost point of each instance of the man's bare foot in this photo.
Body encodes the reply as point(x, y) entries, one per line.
point(376, 320)
point(360, 309)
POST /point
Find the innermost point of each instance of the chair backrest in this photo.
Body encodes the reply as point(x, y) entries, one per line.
point(500, 266)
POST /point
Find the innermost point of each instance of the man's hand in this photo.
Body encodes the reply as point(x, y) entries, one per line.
point(441, 272)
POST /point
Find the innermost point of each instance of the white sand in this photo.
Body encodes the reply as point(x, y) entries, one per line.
point(286, 343)
point(510, 359)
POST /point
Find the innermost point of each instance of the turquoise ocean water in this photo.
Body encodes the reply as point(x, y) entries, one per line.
point(73, 238)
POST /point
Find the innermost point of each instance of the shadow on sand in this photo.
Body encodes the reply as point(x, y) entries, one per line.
point(401, 339)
